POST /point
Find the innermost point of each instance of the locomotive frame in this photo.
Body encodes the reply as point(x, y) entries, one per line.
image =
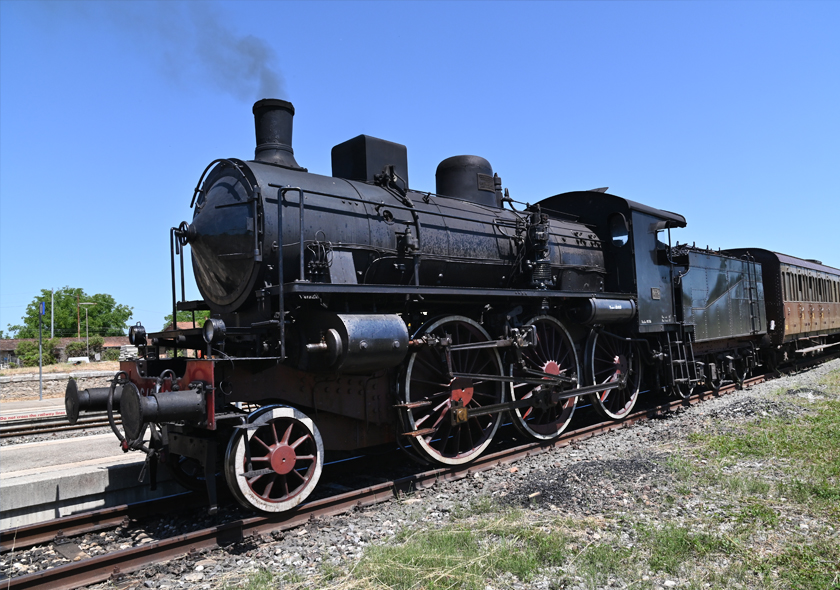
point(354, 311)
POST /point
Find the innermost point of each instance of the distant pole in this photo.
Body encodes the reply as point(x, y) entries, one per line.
point(52, 314)
point(87, 334)
point(41, 312)
point(87, 331)
point(78, 319)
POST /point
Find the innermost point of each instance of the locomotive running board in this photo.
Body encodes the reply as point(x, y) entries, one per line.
point(300, 288)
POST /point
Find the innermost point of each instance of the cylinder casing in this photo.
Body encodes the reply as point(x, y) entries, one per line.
point(354, 343)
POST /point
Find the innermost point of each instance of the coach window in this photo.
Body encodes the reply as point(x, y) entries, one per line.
point(799, 287)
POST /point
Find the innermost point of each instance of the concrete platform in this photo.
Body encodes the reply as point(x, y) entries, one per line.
point(22, 410)
point(44, 480)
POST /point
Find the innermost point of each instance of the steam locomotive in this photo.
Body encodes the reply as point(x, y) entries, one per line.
point(351, 310)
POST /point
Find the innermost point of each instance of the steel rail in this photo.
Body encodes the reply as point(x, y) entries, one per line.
point(28, 430)
point(119, 563)
point(26, 536)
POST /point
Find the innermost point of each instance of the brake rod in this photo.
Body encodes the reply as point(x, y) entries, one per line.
point(460, 415)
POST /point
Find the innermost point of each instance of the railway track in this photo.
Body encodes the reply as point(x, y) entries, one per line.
point(31, 426)
point(117, 564)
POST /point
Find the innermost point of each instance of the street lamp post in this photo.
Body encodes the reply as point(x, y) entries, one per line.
point(87, 333)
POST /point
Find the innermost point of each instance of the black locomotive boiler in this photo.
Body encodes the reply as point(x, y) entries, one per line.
point(350, 311)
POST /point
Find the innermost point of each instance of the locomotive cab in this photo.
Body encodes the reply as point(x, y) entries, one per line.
point(637, 259)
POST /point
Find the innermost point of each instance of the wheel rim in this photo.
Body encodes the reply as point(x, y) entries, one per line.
point(608, 360)
point(286, 453)
point(430, 392)
point(554, 353)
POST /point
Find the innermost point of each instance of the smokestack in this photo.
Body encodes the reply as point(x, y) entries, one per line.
point(273, 122)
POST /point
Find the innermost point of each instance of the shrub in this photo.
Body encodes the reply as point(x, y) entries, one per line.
point(76, 348)
point(27, 352)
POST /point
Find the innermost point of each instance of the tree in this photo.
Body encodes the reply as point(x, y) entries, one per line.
point(187, 317)
point(106, 318)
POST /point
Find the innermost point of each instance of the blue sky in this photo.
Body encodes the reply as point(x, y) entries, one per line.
point(109, 111)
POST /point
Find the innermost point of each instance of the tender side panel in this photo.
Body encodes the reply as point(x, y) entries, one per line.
point(723, 297)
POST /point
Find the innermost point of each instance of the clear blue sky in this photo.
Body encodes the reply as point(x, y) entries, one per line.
point(728, 113)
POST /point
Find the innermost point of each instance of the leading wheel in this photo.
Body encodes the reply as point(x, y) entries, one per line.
point(553, 353)
point(286, 458)
point(608, 360)
point(429, 393)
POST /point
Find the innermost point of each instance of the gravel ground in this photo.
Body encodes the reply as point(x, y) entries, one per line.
point(598, 480)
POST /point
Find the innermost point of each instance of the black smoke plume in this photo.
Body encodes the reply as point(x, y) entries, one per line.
point(194, 44)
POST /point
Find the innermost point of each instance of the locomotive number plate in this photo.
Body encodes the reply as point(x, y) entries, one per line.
point(654, 293)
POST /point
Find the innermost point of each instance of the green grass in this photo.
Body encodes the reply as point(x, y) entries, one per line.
point(671, 546)
point(807, 449)
point(261, 580)
point(597, 563)
point(464, 555)
point(809, 567)
point(756, 512)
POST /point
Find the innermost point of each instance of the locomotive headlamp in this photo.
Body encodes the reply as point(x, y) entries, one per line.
point(213, 331)
point(137, 335)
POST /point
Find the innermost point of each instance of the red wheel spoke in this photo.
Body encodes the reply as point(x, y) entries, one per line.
point(299, 476)
point(267, 491)
point(286, 435)
point(299, 441)
point(442, 414)
point(257, 438)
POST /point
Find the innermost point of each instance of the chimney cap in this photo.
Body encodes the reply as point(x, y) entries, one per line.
point(273, 103)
